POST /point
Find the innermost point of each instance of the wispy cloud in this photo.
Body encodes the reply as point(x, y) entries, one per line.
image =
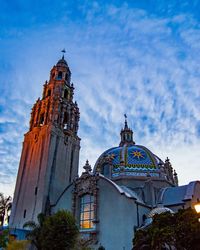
point(124, 58)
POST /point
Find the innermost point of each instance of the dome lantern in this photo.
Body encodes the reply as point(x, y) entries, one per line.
point(126, 135)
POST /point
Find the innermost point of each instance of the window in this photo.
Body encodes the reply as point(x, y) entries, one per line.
point(25, 213)
point(36, 190)
point(65, 120)
point(49, 93)
point(66, 93)
point(42, 119)
point(59, 75)
point(87, 212)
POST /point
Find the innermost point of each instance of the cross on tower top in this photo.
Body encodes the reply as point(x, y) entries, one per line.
point(63, 51)
point(125, 123)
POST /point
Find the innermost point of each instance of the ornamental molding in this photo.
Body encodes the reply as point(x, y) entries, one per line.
point(86, 184)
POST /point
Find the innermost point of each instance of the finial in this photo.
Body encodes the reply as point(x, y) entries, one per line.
point(167, 160)
point(63, 51)
point(125, 123)
point(87, 167)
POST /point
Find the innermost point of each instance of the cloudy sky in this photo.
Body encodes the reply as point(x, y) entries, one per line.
point(139, 57)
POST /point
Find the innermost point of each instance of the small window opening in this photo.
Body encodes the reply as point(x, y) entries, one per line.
point(66, 77)
point(65, 120)
point(66, 93)
point(36, 190)
point(41, 119)
point(25, 213)
point(49, 93)
point(53, 75)
point(59, 75)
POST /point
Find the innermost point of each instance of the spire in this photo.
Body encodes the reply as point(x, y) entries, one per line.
point(62, 63)
point(126, 134)
point(125, 123)
point(63, 51)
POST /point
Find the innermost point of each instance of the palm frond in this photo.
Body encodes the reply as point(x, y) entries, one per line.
point(30, 224)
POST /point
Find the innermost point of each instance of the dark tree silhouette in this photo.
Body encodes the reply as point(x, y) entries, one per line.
point(34, 235)
point(179, 231)
point(58, 231)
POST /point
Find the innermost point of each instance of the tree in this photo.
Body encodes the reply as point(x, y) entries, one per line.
point(5, 206)
point(83, 244)
point(3, 238)
point(101, 248)
point(59, 231)
point(34, 235)
point(179, 231)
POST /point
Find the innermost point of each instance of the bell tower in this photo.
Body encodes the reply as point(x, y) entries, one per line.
point(50, 153)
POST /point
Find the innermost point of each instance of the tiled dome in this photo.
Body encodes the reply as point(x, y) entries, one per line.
point(131, 160)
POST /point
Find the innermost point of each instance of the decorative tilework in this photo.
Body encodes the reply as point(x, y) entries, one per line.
point(115, 154)
point(132, 157)
point(135, 160)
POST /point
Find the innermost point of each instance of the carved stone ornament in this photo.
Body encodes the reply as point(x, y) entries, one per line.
point(86, 184)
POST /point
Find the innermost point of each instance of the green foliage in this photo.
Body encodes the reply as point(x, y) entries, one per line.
point(82, 244)
point(180, 230)
point(4, 237)
point(5, 206)
point(101, 248)
point(59, 231)
point(18, 245)
point(34, 235)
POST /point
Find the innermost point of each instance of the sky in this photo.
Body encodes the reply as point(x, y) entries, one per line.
point(139, 57)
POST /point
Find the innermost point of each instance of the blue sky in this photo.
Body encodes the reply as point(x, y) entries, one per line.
point(139, 57)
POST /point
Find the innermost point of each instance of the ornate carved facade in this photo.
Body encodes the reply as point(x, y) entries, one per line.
point(87, 184)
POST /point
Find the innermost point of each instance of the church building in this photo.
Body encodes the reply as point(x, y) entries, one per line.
point(127, 186)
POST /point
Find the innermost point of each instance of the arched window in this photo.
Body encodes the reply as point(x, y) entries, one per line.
point(42, 119)
point(87, 212)
point(60, 75)
point(65, 120)
point(49, 93)
point(66, 93)
point(66, 77)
